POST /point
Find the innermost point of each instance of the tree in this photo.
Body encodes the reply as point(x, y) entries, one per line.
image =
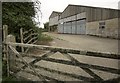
point(18, 15)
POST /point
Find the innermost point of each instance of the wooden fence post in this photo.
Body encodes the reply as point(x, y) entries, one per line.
point(22, 41)
point(11, 55)
point(5, 33)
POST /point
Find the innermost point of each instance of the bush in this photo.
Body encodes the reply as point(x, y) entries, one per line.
point(43, 37)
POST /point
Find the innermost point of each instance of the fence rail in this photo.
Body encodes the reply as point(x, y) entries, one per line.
point(26, 38)
point(15, 58)
point(69, 50)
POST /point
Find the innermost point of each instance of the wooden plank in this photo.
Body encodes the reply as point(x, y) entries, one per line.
point(30, 36)
point(31, 43)
point(35, 56)
point(31, 40)
point(27, 31)
point(11, 55)
point(35, 41)
point(22, 41)
point(49, 53)
point(27, 50)
point(84, 65)
point(69, 50)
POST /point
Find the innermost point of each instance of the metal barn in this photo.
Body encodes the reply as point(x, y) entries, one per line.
point(78, 19)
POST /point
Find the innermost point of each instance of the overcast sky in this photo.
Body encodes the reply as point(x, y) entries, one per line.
point(47, 6)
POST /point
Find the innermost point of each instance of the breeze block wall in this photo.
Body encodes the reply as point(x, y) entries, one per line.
point(110, 30)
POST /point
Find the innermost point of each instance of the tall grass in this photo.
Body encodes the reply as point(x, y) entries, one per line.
point(43, 37)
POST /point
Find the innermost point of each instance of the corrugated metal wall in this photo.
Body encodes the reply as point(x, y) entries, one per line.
point(72, 10)
point(96, 14)
point(73, 27)
point(81, 27)
point(75, 24)
point(69, 27)
point(65, 28)
point(92, 13)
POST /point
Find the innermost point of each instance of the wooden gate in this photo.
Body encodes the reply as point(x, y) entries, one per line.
point(28, 37)
point(49, 66)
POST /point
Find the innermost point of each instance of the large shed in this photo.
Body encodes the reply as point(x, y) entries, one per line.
point(79, 19)
point(54, 20)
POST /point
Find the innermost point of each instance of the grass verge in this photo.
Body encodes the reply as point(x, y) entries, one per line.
point(44, 39)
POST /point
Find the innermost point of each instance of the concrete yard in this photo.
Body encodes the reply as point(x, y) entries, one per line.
point(84, 42)
point(64, 72)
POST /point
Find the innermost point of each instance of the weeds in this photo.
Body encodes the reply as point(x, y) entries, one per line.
point(46, 38)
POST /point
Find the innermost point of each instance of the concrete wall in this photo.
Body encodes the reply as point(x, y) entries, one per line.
point(53, 21)
point(91, 28)
point(112, 27)
point(110, 30)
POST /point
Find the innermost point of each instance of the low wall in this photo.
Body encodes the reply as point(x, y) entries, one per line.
point(110, 30)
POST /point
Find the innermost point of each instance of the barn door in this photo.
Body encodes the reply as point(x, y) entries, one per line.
point(65, 28)
point(81, 27)
point(73, 27)
point(69, 27)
